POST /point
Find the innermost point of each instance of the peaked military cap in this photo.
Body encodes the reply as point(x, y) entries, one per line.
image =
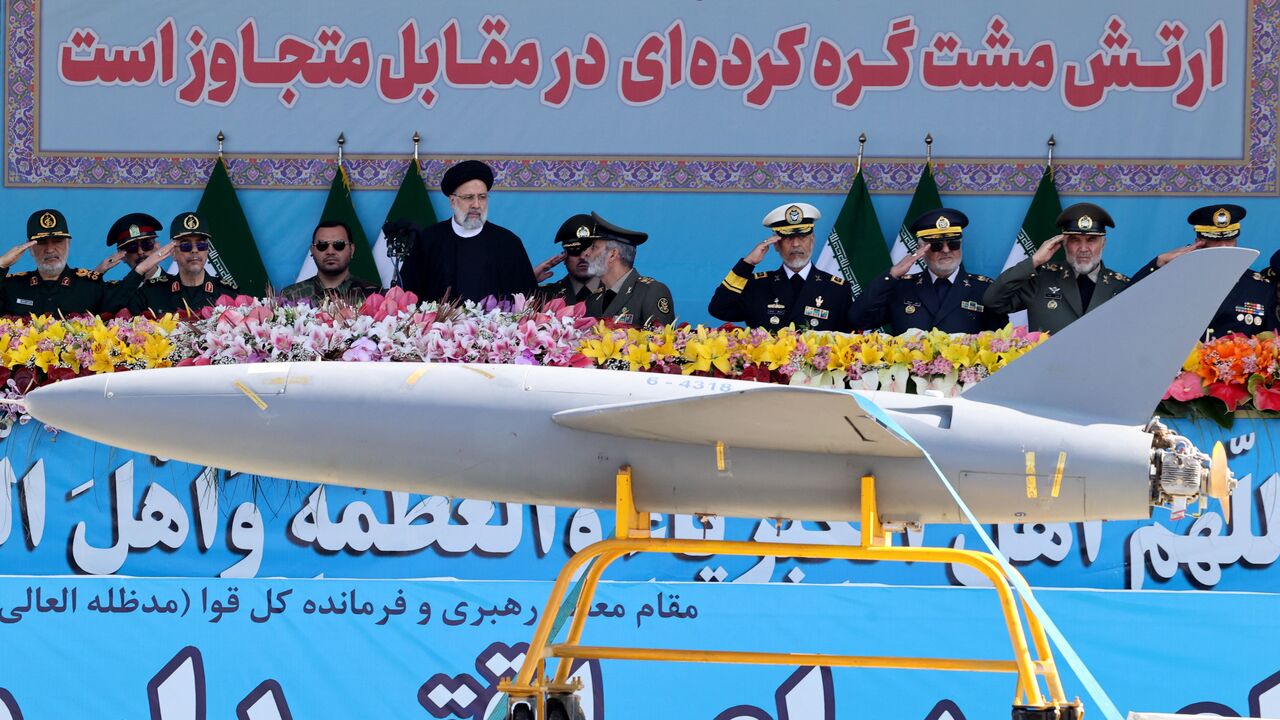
point(576, 233)
point(1084, 219)
point(1217, 222)
point(940, 224)
point(792, 219)
point(466, 171)
point(608, 231)
point(188, 223)
point(48, 223)
point(134, 226)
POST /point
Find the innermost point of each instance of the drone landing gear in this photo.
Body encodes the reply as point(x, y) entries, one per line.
point(535, 696)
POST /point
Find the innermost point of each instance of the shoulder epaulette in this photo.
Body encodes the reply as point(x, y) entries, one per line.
point(157, 279)
point(1258, 276)
point(1051, 267)
point(1119, 276)
point(24, 273)
point(81, 272)
point(760, 275)
point(837, 280)
point(644, 279)
point(981, 278)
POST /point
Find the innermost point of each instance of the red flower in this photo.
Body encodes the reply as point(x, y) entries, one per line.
point(1266, 398)
point(1186, 386)
point(1230, 395)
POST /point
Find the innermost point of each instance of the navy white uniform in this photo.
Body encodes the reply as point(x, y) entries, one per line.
point(1250, 307)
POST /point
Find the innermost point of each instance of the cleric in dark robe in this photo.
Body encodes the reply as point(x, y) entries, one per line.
point(466, 257)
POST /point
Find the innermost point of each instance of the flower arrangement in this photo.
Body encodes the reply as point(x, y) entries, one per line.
point(1219, 377)
point(1231, 373)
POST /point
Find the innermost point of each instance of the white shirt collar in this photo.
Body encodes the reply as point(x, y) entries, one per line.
point(803, 272)
point(462, 232)
point(950, 278)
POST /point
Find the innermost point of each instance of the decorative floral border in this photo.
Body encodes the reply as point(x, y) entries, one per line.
point(25, 165)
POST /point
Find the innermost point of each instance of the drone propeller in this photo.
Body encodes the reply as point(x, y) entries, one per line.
point(1221, 481)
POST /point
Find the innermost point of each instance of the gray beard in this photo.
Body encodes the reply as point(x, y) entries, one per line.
point(1083, 270)
point(597, 266)
point(795, 265)
point(469, 223)
point(52, 268)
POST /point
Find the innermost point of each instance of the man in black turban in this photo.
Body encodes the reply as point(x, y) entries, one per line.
point(467, 257)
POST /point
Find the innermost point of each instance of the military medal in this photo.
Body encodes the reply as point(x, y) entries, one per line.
point(909, 309)
point(773, 320)
point(1052, 304)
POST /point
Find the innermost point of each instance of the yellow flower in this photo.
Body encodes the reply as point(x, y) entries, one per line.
point(639, 357)
point(603, 350)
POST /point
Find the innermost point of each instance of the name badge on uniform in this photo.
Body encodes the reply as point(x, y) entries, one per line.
point(971, 305)
point(814, 312)
point(1053, 293)
point(626, 319)
point(24, 301)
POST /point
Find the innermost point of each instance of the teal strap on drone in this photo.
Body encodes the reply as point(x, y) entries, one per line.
point(1091, 685)
point(562, 615)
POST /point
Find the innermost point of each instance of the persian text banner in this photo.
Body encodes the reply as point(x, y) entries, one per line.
point(660, 95)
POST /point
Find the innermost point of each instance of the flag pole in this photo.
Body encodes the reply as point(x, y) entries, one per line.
point(416, 139)
point(862, 142)
point(221, 137)
point(928, 148)
point(342, 140)
point(1051, 143)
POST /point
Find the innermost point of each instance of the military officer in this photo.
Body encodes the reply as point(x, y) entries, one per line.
point(332, 252)
point(1053, 294)
point(52, 288)
point(945, 296)
point(628, 297)
point(193, 289)
point(1250, 307)
point(134, 237)
point(578, 284)
point(797, 293)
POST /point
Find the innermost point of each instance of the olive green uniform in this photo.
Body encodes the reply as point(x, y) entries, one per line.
point(1049, 293)
point(640, 301)
point(161, 295)
point(352, 291)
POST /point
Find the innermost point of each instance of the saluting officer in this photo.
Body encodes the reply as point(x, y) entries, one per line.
point(578, 284)
point(51, 288)
point(628, 297)
point(1056, 295)
point(945, 296)
point(134, 237)
point(1250, 307)
point(193, 289)
point(795, 294)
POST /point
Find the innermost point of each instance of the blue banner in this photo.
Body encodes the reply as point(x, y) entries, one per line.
point(69, 506)
point(267, 649)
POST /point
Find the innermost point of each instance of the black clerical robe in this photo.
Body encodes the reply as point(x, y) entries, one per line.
point(493, 262)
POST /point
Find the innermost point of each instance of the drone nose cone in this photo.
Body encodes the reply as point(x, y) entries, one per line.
point(70, 405)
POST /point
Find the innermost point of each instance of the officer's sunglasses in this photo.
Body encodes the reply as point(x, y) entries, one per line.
point(936, 245)
point(338, 245)
point(196, 245)
point(137, 246)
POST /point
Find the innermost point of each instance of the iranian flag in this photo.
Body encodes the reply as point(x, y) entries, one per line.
point(855, 248)
point(924, 199)
point(1037, 226)
point(338, 207)
point(233, 253)
point(412, 203)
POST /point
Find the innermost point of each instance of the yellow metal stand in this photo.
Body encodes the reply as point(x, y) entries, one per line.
point(632, 536)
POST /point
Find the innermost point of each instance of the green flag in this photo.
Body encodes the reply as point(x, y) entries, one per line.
point(1037, 226)
point(926, 198)
point(338, 207)
point(233, 252)
point(412, 203)
point(855, 248)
